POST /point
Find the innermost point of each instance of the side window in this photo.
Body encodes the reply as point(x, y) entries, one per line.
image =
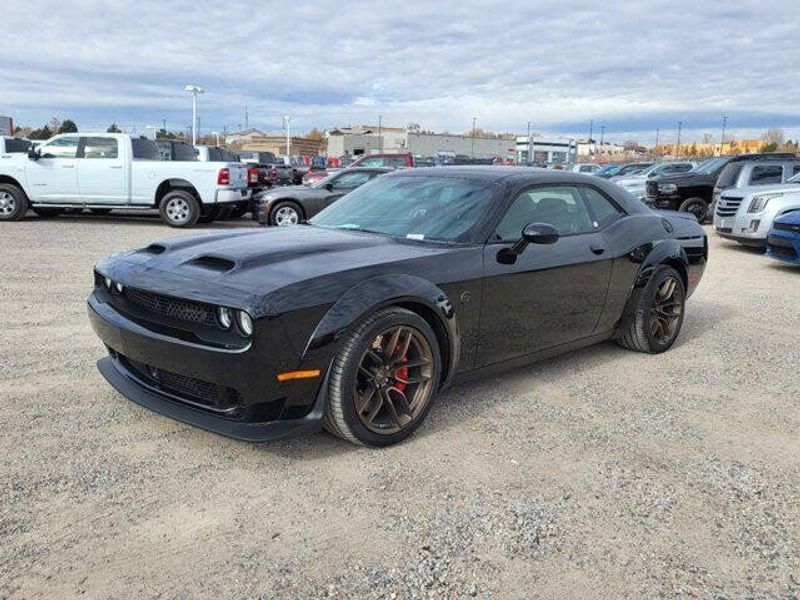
point(559, 206)
point(351, 180)
point(763, 174)
point(604, 210)
point(66, 147)
point(98, 147)
point(795, 169)
point(17, 145)
point(372, 162)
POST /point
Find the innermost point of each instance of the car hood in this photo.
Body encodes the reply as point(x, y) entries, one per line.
point(263, 270)
point(689, 178)
point(792, 218)
point(783, 188)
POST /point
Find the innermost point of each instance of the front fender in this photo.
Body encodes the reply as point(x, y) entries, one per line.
point(382, 291)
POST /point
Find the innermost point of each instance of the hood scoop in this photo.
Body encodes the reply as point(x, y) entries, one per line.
point(153, 249)
point(212, 263)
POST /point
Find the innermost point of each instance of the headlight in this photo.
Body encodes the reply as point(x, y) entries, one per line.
point(224, 317)
point(108, 282)
point(118, 286)
point(760, 201)
point(245, 322)
point(667, 188)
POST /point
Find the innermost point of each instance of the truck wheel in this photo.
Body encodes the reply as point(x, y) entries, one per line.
point(13, 203)
point(209, 214)
point(697, 206)
point(285, 213)
point(179, 209)
point(658, 317)
point(46, 212)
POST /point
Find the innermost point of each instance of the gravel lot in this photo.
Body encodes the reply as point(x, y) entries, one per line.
point(603, 473)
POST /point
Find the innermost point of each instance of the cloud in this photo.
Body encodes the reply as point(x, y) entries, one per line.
point(631, 66)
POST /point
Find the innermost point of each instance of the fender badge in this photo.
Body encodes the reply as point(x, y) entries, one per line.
point(466, 297)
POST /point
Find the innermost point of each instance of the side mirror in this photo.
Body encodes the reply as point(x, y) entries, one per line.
point(33, 154)
point(329, 187)
point(532, 233)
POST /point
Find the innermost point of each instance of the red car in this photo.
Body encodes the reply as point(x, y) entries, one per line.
point(394, 161)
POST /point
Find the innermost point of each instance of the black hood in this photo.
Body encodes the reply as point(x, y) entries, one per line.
point(252, 269)
point(688, 178)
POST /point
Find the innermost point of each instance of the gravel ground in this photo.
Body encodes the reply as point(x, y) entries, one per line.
point(603, 473)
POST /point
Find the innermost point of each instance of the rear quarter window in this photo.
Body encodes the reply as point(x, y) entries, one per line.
point(729, 175)
point(184, 152)
point(144, 149)
point(766, 174)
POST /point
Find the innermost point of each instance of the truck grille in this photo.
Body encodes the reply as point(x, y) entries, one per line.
point(727, 207)
point(175, 308)
point(207, 394)
point(651, 188)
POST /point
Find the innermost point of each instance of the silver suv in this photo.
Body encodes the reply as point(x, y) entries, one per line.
point(746, 214)
point(752, 173)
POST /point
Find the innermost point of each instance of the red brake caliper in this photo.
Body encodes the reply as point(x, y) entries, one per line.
point(402, 373)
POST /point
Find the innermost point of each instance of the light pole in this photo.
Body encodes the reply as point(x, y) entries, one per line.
point(474, 120)
point(602, 135)
point(655, 150)
point(722, 137)
point(216, 133)
point(194, 90)
point(591, 128)
point(528, 146)
point(287, 123)
point(678, 147)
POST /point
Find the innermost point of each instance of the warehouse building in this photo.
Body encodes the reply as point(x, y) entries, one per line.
point(546, 151)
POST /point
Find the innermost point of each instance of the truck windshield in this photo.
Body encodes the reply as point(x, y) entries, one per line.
point(709, 166)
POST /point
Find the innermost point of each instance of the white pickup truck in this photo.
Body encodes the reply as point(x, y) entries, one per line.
point(104, 171)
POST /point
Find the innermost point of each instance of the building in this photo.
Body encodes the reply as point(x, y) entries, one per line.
point(706, 149)
point(546, 151)
point(253, 139)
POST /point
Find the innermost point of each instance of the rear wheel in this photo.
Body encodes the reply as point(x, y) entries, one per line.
point(658, 318)
point(697, 206)
point(13, 203)
point(383, 379)
point(179, 209)
point(285, 213)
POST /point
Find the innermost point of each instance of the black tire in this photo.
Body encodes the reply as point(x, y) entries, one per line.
point(280, 215)
point(209, 214)
point(341, 417)
point(640, 335)
point(100, 212)
point(697, 206)
point(46, 212)
point(13, 203)
point(179, 209)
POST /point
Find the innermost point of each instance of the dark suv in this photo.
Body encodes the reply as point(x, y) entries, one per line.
point(694, 191)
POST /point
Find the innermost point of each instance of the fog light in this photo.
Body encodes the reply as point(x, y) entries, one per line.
point(224, 316)
point(245, 323)
point(754, 225)
point(107, 281)
point(118, 287)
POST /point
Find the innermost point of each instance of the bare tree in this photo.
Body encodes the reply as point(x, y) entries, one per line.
point(774, 136)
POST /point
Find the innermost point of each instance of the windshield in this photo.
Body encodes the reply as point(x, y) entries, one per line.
point(420, 208)
point(709, 166)
point(609, 170)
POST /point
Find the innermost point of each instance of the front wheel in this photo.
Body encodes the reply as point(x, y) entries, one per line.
point(383, 379)
point(658, 317)
point(13, 203)
point(284, 214)
point(179, 209)
point(697, 206)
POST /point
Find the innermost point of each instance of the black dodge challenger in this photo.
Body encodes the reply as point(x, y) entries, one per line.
point(357, 319)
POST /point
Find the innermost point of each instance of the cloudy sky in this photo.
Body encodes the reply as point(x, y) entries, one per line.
point(632, 66)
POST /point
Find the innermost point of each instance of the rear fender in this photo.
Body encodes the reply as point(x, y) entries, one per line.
point(382, 291)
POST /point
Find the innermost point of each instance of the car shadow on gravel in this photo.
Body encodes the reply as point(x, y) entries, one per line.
point(139, 219)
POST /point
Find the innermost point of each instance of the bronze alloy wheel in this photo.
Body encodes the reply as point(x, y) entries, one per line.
point(666, 310)
point(394, 382)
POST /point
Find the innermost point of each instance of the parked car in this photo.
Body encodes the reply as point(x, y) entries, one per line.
point(299, 167)
point(608, 171)
point(417, 279)
point(635, 184)
point(104, 171)
point(746, 215)
point(13, 145)
point(293, 204)
point(693, 191)
point(315, 174)
point(783, 241)
point(282, 174)
point(394, 161)
point(764, 170)
point(619, 170)
point(176, 150)
point(587, 168)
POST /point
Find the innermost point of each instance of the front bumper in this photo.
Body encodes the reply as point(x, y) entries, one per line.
point(174, 377)
point(233, 195)
point(745, 227)
point(784, 246)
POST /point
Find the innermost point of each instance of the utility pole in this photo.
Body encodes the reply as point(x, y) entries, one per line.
point(591, 128)
point(194, 90)
point(528, 147)
point(380, 136)
point(602, 136)
point(287, 120)
point(474, 120)
point(722, 137)
point(655, 150)
point(246, 118)
point(678, 149)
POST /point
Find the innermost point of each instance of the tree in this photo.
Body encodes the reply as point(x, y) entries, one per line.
point(68, 126)
point(43, 133)
point(769, 147)
point(774, 137)
point(316, 134)
point(113, 128)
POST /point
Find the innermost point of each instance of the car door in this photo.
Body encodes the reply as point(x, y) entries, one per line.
point(102, 178)
point(552, 294)
point(53, 177)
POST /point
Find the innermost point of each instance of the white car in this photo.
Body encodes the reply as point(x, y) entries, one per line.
point(746, 214)
point(104, 171)
point(587, 168)
point(635, 184)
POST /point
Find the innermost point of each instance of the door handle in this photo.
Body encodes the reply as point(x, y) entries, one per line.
point(67, 166)
point(115, 167)
point(597, 248)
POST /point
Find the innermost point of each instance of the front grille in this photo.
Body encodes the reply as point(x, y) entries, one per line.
point(727, 207)
point(787, 227)
point(781, 247)
point(175, 308)
point(202, 392)
point(652, 189)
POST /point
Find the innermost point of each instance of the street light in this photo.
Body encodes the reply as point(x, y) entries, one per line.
point(287, 124)
point(216, 133)
point(194, 90)
point(722, 137)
